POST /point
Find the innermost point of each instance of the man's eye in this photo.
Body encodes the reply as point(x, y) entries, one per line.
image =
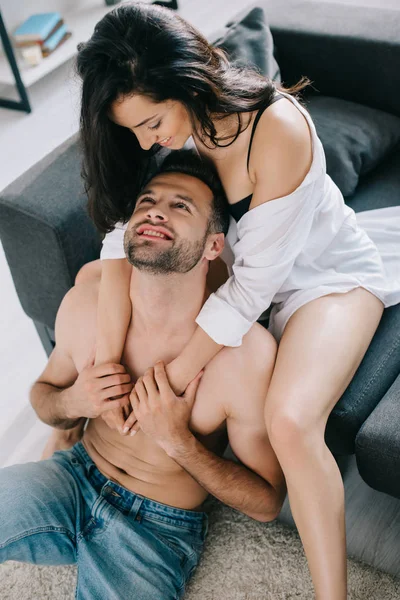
point(156, 126)
point(182, 205)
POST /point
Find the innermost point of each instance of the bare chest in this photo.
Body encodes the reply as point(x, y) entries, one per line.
point(142, 353)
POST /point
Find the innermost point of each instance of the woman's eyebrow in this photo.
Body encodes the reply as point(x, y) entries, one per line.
point(145, 121)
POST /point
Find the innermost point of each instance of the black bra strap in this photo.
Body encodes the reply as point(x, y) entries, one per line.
point(258, 116)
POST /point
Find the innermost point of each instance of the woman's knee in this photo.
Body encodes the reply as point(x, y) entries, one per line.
point(291, 430)
point(89, 271)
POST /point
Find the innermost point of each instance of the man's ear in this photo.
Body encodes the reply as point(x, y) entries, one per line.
point(214, 246)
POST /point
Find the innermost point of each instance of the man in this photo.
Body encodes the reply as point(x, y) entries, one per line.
point(128, 509)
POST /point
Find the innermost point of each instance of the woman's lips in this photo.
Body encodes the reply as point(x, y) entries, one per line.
point(167, 143)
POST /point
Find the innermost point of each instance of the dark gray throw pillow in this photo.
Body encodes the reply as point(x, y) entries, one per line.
point(355, 138)
point(248, 42)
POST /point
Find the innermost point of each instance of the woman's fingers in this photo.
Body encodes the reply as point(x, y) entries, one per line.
point(126, 408)
point(134, 400)
point(141, 390)
point(134, 429)
point(130, 422)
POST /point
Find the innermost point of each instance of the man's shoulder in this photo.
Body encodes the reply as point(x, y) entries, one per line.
point(80, 297)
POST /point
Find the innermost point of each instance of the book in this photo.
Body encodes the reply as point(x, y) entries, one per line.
point(51, 43)
point(31, 55)
point(40, 42)
point(66, 37)
point(37, 27)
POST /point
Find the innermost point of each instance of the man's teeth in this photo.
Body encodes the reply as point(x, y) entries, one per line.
point(155, 233)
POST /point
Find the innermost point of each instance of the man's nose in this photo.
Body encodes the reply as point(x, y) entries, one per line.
point(157, 213)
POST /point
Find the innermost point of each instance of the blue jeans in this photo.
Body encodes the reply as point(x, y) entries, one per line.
point(63, 511)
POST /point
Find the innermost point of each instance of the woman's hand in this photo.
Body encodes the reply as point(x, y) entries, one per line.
point(161, 414)
point(116, 417)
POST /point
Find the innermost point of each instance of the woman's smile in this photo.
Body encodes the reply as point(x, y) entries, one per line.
point(166, 141)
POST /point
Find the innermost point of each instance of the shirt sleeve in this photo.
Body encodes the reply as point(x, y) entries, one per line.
point(113, 243)
point(269, 239)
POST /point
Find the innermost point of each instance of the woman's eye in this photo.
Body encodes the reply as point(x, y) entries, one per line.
point(156, 126)
point(146, 199)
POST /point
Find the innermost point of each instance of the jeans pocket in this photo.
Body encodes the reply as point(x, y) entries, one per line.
point(181, 540)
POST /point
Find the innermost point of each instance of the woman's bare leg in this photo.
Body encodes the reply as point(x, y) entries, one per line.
point(61, 439)
point(321, 348)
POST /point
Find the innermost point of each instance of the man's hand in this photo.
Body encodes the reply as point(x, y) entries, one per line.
point(93, 391)
point(160, 413)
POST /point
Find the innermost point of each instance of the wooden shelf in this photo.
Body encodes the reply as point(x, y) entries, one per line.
point(80, 23)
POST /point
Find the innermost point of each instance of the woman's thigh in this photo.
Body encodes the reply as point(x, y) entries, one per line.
point(320, 350)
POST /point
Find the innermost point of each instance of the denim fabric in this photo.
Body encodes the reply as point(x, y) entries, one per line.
point(64, 511)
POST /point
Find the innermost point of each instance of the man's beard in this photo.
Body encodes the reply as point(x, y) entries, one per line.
point(179, 257)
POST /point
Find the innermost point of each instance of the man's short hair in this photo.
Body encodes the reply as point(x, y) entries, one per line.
point(190, 163)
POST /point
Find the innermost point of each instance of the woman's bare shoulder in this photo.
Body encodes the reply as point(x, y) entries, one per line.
point(281, 153)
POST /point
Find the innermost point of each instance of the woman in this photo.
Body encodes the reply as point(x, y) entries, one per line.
point(151, 80)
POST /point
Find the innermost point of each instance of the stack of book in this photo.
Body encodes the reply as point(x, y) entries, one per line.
point(41, 34)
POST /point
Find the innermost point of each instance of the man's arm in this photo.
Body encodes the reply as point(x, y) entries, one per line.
point(230, 482)
point(61, 396)
point(165, 417)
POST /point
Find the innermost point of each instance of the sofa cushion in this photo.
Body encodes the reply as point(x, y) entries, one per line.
point(380, 187)
point(375, 375)
point(356, 138)
point(378, 444)
point(248, 42)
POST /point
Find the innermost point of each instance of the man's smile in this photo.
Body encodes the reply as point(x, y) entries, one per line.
point(150, 231)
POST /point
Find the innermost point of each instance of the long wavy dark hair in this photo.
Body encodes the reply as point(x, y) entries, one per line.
point(149, 50)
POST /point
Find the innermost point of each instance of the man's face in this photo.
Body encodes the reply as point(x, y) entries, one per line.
point(168, 231)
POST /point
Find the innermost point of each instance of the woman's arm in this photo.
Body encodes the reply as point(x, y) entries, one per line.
point(270, 237)
point(114, 305)
point(114, 310)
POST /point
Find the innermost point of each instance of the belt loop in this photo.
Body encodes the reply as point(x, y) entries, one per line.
point(136, 506)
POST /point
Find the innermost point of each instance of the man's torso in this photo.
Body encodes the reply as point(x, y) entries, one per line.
point(137, 462)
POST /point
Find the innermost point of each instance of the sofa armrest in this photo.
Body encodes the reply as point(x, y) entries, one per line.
point(377, 444)
point(351, 52)
point(46, 232)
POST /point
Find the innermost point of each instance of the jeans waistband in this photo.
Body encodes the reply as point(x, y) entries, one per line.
point(125, 499)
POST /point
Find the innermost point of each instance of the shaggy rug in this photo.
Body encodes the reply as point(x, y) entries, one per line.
point(242, 560)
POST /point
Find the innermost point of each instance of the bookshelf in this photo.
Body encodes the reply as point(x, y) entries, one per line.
point(13, 71)
point(80, 22)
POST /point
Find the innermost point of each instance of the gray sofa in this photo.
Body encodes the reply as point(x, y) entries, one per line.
point(352, 55)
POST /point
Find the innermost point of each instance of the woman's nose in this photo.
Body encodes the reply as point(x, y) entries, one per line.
point(147, 140)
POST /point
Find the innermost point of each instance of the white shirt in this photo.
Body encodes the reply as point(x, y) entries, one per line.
point(294, 249)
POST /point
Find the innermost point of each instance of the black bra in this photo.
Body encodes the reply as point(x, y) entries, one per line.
point(238, 209)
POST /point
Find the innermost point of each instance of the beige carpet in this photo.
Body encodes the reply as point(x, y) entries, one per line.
point(243, 560)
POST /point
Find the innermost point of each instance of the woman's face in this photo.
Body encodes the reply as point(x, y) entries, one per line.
point(165, 123)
